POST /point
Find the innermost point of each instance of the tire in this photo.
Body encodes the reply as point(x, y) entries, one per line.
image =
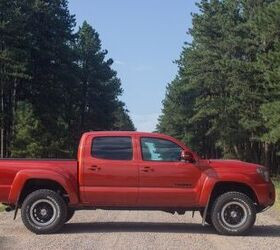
point(208, 219)
point(70, 214)
point(43, 212)
point(233, 213)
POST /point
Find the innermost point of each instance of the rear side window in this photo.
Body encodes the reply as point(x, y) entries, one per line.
point(112, 148)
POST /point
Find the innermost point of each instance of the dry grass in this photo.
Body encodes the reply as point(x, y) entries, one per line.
point(2, 207)
point(277, 187)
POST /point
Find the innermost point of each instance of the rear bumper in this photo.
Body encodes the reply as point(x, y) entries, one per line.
point(265, 194)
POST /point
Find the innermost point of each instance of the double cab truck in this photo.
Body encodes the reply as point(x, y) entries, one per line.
point(135, 171)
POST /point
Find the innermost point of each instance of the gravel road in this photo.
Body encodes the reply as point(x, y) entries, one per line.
point(138, 230)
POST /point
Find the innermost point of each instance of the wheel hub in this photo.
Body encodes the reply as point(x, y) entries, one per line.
point(43, 212)
point(234, 214)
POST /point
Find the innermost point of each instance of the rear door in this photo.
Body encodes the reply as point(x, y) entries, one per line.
point(164, 180)
point(110, 175)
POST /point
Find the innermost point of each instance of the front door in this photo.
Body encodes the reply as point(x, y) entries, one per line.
point(164, 179)
point(110, 176)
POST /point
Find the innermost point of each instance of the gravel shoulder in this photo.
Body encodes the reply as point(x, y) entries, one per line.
point(138, 230)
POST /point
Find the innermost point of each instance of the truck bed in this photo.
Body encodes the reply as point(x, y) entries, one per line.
point(9, 168)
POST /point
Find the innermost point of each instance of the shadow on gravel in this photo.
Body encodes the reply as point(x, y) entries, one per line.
point(266, 231)
point(109, 227)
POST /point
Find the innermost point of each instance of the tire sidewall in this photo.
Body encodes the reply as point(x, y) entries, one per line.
point(217, 214)
point(57, 202)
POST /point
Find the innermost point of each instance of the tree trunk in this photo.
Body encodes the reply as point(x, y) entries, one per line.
point(267, 155)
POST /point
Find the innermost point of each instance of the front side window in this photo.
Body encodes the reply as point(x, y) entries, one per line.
point(112, 148)
point(154, 149)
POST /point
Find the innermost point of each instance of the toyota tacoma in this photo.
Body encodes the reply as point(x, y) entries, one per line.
point(135, 171)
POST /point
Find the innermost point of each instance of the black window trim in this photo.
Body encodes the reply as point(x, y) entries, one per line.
point(112, 136)
point(150, 137)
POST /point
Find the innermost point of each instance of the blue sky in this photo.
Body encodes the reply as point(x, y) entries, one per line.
point(144, 38)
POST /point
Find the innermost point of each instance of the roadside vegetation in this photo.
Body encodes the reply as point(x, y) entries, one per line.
point(225, 100)
point(2, 207)
point(277, 187)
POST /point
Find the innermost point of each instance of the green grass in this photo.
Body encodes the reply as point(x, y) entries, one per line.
point(2, 207)
point(277, 187)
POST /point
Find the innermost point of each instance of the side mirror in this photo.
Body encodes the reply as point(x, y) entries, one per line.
point(187, 156)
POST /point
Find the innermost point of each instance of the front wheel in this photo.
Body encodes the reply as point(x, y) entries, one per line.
point(233, 213)
point(44, 211)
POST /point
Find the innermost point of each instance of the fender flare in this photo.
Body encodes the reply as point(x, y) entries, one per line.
point(210, 182)
point(23, 176)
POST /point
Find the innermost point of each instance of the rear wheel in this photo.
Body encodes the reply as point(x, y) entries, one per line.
point(43, 211)
point(233, 213)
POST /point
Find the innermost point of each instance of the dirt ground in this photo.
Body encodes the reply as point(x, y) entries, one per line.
point(138, 230)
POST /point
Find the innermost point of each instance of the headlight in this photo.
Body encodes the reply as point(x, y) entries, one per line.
point(263, 171)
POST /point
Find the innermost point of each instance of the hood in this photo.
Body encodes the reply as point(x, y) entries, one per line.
point(232, 164)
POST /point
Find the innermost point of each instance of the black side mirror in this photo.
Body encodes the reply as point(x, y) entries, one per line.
point(187, 156)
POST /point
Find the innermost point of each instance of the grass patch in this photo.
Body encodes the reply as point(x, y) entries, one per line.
point(2, 207)
point(277, 187)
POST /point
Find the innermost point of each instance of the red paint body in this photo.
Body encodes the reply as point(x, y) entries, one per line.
point(92, 182)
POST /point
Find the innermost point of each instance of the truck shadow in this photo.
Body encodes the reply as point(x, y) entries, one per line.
point(109, 227)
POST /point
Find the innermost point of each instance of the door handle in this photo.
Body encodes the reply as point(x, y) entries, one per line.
point(147, 169)
point(94, 168)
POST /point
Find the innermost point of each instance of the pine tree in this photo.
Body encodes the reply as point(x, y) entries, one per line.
point(266, 26)
point(55, 84)
point(99, 86)
point(13, 66)
point(123, 121)
point(226, 96)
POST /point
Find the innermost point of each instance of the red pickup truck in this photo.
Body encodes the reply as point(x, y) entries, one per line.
point(135, 171)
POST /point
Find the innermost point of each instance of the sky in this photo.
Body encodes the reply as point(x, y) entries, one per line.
point(144, 38)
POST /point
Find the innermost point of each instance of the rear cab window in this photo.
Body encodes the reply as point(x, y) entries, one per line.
point(112, 148)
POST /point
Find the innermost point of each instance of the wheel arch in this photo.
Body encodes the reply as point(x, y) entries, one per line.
point(222, 187)
point(26, 182)
point(32, 185)
point(218, 183)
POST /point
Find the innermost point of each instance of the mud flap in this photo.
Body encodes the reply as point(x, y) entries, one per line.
point(16, 211)
point(205, 212)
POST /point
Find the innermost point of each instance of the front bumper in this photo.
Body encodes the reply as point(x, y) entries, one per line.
point(266, 194)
